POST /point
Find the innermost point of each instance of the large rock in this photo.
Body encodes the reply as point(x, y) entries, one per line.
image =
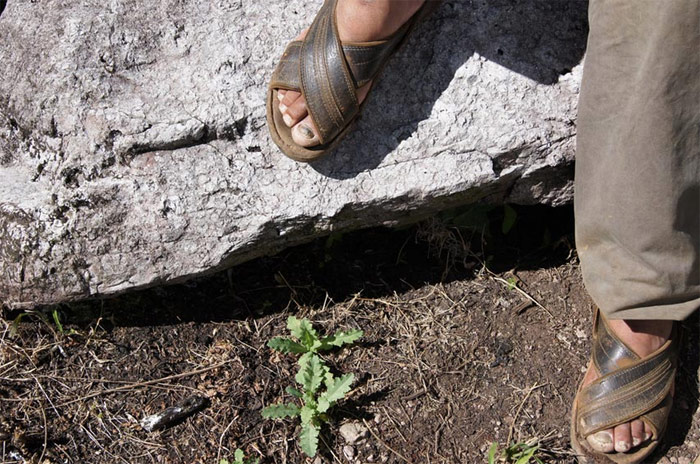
point(134, 152)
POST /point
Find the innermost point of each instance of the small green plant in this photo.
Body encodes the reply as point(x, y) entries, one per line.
point(57, 320)
point(512, 283)
point(239, 458)
point(313, 374)
point(43, 316)
point(516, 453)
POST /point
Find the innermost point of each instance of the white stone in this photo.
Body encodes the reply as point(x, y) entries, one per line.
point(134, 152)
point(352, 432)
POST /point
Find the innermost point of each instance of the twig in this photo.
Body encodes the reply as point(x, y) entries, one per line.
point(522, 292)
point(143, 384)
point(415, 395)
point(517, 413)
point(46, 436)
point(384, 443)
point(221, 438)
point(335, 458)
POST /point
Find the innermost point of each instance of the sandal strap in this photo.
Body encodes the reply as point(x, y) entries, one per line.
point(364, 60)
point(286, 75)
point(609, 352)
point(328, 72)
point(629, 387)
point(326, 82)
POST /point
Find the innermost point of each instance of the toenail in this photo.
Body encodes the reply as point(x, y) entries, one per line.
point(622, 446)
point(603, 438)
point(287, 120)
point(306, 132)
point(647, 436)
point(283, 107)
point(280, 97)
point(636, 441)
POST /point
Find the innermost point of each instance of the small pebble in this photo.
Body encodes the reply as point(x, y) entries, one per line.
point(352, 432)
point(349, 452)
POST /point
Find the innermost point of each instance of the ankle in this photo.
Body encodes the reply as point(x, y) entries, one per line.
point(366, 20)
point(643, 336)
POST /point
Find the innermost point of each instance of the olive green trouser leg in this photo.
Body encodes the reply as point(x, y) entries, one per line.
point(637, 190)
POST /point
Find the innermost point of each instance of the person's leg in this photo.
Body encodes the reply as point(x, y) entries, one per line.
point(637, 188)
point(358, 21)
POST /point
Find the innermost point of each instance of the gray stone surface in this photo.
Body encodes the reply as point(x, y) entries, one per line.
point(134, 152)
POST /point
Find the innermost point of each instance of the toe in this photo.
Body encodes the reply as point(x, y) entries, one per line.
point(602, 441)
point(637, 432)
point(290, 96)
point(623, 437)
point(295, 112)
point(304, 133)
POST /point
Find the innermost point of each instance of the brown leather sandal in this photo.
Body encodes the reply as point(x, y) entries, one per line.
point(328, 74)
point(628, 388)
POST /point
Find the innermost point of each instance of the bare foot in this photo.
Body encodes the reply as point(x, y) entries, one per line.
point(644, 337)
point(358, 21)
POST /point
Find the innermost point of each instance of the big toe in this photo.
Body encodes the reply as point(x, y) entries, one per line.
point(602, 441)
point(304, 133)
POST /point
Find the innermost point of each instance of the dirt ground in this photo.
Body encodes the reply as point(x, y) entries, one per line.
point(470, 337)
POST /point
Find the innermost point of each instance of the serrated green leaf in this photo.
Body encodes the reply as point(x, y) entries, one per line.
point(328, 379)
point(239, 455)
point(294, 326)
point(225, 461)
point(311, 375)
point(492, 452)
point(303, 361)
point(286, 345)
point(293, 391)
point(307, 414)
point(335, 392)
point(308, 438)
point(303, 330)
point(280, 411)
point(340, 339)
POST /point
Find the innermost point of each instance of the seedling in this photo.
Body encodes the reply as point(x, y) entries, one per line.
point(517, 453)
point(313, 374)
point(239, 458)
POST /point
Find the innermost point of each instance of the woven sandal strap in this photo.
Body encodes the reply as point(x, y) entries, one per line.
point(628, 392)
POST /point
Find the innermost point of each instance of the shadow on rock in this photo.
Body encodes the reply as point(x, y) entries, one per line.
point(372, 263)
point(3, 3)
point(540, 39)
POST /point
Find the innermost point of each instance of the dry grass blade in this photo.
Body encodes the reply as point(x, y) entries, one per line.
point(384, 443)
point(143, 384)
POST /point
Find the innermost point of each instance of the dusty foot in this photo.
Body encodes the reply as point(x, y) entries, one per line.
point(644, 337)
point(358, 21)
